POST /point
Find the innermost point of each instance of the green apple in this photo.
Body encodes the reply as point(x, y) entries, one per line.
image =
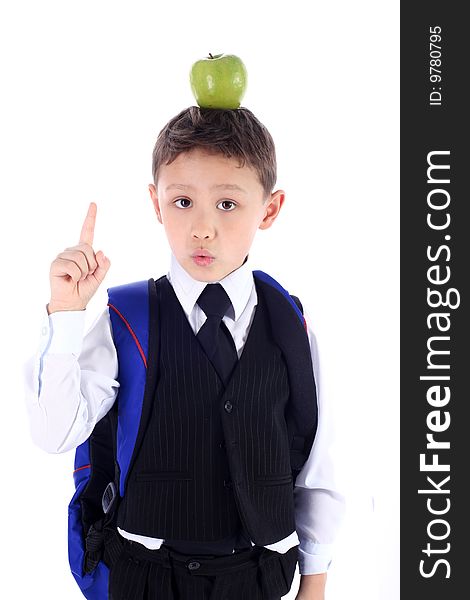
point(218, 81)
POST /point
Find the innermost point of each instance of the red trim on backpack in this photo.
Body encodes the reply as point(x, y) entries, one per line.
point(84, 467)
point(139, 347)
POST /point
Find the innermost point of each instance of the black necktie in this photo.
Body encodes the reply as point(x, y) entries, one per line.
point(214, 336)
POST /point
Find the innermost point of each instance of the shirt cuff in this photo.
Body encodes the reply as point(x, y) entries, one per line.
point(62, 332)
point(314, 558)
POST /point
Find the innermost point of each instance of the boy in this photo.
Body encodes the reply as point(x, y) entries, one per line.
point(188, 525)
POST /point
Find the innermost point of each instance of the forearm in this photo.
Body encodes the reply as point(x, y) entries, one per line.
point(52, 412)
point(71, 381)
point(319, 493)
point(52, 378)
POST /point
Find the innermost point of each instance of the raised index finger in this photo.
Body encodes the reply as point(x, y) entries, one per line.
point(88, 227)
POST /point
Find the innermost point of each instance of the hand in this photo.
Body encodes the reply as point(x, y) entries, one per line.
point(77, 272)
point(313, 596)
point(312, 587)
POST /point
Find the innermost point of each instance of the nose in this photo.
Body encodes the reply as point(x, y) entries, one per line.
point(203, 228)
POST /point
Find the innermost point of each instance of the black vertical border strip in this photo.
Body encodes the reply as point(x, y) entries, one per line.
point(425, 129)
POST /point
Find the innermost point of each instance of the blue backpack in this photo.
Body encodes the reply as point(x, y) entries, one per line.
point(103, 461)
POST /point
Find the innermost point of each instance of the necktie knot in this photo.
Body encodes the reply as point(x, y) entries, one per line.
point(214, 300)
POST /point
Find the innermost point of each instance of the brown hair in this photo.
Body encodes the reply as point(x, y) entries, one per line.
point(233, 133)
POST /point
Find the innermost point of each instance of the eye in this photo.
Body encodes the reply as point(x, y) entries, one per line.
point(186, 203)
point(224, 204)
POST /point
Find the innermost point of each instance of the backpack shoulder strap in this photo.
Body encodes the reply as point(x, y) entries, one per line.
point(289, 330)
point(298, 302)
point(129, 314)
point(293, 300)
point(128, 306)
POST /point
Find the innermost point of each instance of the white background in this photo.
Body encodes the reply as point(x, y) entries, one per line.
point(86, 87)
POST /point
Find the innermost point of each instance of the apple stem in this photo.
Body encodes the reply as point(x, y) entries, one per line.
point(210, 55)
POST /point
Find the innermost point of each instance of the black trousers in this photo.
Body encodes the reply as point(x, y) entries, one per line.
point(137, 573)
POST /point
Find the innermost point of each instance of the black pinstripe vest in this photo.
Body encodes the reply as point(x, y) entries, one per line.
point(212, 463)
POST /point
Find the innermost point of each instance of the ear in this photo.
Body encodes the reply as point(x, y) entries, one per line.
point(156, 205)
point(273, 206)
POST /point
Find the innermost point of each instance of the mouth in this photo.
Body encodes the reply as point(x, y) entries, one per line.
point(202, 258)
point(202, 252)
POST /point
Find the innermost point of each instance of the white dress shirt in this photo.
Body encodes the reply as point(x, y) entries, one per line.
point(71, 383)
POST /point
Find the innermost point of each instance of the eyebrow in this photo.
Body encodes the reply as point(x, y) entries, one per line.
point(224, 186)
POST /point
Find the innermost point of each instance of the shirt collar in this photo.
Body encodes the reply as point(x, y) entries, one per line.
point(237, 284)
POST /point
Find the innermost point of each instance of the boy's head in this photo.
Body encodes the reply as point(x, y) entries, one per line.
point(214, 171)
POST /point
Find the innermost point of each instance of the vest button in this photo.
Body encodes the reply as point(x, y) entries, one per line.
point(222, 445)
point(193, 565)
point(228, 406)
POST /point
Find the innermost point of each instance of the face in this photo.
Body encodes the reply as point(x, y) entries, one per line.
point(211, 209)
